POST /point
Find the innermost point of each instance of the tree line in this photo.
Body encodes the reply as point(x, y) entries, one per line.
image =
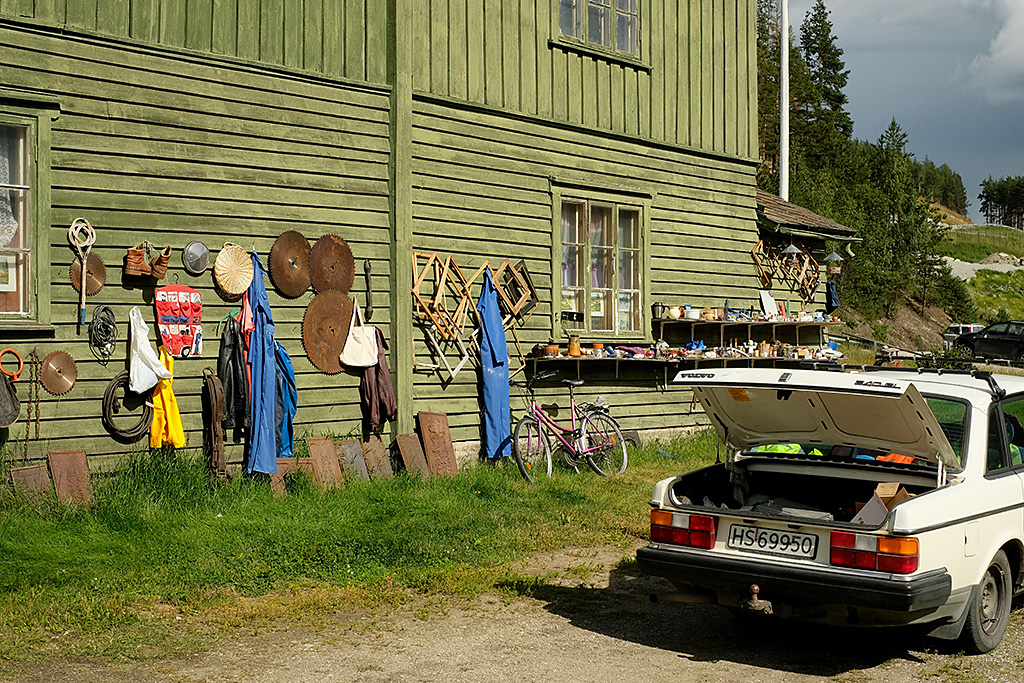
point(877, 187)
point(1002, 201)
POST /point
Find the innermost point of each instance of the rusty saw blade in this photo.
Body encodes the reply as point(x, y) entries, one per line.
point(325, 329)
point(95, 274)
point(331, 266)
point(289, 264)
point(58, 372)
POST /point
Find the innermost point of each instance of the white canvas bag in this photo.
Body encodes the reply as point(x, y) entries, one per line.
point(145, 368)
point(361, 345)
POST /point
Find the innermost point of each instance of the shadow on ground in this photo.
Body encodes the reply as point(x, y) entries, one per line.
point(711, 633)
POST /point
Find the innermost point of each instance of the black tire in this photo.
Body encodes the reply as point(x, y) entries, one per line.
point(600, 430)
point(531, 449)
point(989, 611)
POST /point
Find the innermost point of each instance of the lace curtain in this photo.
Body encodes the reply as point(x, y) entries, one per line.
point(8, 223)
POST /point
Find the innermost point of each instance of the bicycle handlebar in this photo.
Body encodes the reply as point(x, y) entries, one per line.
point(540, 376)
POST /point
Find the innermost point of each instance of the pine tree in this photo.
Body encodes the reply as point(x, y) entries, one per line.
point(823, 124)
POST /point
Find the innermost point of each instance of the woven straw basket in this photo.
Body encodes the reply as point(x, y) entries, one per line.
point(233, 269)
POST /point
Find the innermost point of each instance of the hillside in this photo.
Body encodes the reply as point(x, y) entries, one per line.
point(909, 329)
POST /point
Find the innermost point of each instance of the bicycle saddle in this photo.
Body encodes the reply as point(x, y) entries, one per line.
point(572, 382)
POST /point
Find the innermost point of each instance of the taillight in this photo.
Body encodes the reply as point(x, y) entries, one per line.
point(677, 528)
point(896, 555)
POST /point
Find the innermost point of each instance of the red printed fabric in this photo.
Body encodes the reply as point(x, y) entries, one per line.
point(179, 317)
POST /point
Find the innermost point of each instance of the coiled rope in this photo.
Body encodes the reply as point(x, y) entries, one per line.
point(103, 333)
point(111, 405)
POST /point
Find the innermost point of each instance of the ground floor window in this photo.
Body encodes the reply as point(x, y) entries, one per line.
point(15, 230)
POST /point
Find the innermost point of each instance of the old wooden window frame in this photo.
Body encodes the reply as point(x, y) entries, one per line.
point(569, 191)
point(581, 42)
point(18, 110)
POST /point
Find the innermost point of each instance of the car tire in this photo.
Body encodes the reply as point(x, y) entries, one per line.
point(989, 611)
point(1020, 357)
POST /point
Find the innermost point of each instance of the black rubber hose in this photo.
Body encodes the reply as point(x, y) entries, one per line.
point(103, 333)
point(141, 428)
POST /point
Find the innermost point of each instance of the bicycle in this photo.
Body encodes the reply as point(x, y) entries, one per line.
point(594, 436)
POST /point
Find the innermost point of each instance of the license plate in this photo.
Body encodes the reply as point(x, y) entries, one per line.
point(773, 541)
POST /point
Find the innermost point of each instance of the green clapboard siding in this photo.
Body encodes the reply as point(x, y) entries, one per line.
point(156, 148)
point(334, 37)
point(694, 85)
point(482, 190)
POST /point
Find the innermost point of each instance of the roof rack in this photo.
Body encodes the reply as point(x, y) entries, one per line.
point(985, 375)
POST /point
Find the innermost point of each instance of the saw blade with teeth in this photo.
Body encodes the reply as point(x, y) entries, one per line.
point(325, 330)
point(331, 266)
point(95, 274)
point(58, 373)
point(289, 264)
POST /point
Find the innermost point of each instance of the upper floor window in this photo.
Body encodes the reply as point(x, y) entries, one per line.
point(611, 24)
point(15, 188)
point(601, 266)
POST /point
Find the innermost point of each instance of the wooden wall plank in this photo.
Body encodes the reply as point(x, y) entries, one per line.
point(172, 22)
point(334, 37)
point(376, 43)
point(511, 69)
point(528, 20)
point(293, 34)
point(355, 38)
point(199, 25)
point(313, 30)
point(272, 31)
point(439, 60)
point(82, 14)
point(224, 36)
point(458, 50)
point(248, 34)
point(493, 31)
point(421, 41)
point(113, 16)
point(475, 55)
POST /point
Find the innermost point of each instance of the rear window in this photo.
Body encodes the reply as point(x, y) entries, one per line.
point(952, 417)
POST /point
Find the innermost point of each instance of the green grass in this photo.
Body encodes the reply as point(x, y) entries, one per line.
point(165, 558)
point(973, 243)
point(993, 292)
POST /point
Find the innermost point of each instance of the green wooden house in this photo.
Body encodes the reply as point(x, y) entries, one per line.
point(610, 145)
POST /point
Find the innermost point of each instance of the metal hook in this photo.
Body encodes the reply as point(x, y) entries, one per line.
point(175, 278)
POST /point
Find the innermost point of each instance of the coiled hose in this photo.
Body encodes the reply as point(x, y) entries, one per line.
point(111, 405)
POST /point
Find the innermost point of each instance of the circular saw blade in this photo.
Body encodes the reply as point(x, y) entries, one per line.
point(95, 274)
point(289, 264)
point(58, 372)
point(325, 330)
point(331, 266)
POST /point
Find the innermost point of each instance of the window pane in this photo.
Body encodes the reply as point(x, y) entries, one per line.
point(601, 226)
point(599, 22)
point(629, 270)
point(600, 267)
point(572, 300)
point(629, 228)
point(13, 219)
point(569, 18)
point(625, 34)
point(601, 310)
point(629, 311)
point(572, 215)
point(571, 266)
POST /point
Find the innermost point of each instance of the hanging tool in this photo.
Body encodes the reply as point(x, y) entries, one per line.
point(289, 264)
point(103, 333)
point(10, 406)
point(331, 266)
point(58, 373)
point(82, 236)
point(325, 328)
point(369, 291)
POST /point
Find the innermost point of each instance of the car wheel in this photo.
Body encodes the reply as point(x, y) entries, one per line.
point(989, 611)
point(1020, 357)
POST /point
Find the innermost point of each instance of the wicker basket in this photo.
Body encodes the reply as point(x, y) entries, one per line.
point(233, 270)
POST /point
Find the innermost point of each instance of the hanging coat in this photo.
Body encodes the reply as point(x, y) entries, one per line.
point(286, 404)
point(376, 390)
point(497, 423)
point(166, 429)
point(231, 370)
point(831, 297)
point(262, 444)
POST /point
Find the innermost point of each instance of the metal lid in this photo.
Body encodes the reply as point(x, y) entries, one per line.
point(195, 257)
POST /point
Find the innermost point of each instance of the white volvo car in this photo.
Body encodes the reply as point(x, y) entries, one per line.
point(876, 497)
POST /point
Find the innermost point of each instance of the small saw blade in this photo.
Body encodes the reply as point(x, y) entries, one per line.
point(58, 372)
point(331, 265)
point(95, 274)
point(325, 330)
point(289, 264)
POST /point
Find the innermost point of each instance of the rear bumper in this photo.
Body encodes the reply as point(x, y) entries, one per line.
point(799, 585)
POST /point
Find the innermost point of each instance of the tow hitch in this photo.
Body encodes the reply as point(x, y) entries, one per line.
point(756, 604)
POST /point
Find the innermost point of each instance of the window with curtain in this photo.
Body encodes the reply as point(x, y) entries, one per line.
point(601, 267)
point(14, 212)
point(610, 24)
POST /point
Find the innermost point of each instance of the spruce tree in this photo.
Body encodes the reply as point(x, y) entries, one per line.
point(824, 123)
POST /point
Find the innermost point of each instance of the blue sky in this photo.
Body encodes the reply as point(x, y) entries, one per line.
point(950, 71)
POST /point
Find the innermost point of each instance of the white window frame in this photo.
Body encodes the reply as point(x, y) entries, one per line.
point(581, 15)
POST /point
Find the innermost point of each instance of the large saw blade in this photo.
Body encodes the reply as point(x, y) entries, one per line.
point(95, 274)
point(331, 265)
point(325, 330)
point(58, 372)
point(289, 264)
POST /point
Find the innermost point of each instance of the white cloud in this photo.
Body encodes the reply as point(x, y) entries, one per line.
point(999, 74)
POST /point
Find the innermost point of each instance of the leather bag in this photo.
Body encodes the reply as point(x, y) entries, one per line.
point(361, 346)
point(10, 405)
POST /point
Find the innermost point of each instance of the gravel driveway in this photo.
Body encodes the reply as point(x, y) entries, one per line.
point(587, 621)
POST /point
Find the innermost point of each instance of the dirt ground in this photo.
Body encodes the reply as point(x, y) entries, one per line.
point(589, 621)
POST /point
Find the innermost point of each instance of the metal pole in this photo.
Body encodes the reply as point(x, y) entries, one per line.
point(784, 106)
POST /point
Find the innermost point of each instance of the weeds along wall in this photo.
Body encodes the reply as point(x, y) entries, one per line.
point(170, 146)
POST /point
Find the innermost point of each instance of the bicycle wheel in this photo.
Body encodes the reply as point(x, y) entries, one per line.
point(603, 445)
point(531, 449)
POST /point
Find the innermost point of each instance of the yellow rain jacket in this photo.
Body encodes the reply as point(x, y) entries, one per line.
point(166, 429)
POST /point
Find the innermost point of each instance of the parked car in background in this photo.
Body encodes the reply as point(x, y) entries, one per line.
point(878, 497)
point(1002, 340)
point(956, 329)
